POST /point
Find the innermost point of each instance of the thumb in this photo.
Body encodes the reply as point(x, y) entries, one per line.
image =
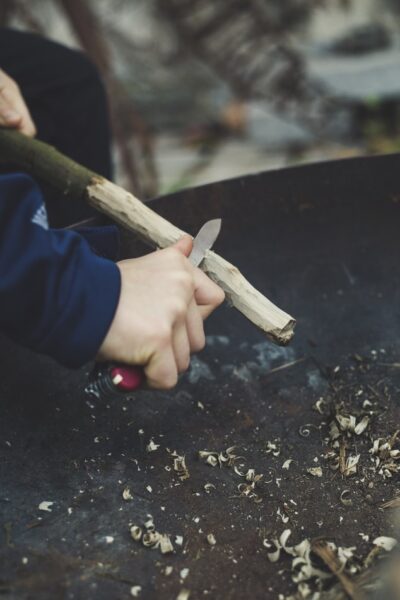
point(184, 245)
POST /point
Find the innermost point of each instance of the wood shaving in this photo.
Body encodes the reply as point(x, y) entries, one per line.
point(273, 448)
point(305, 430)
point(126, 494)
point(248, 489)
point(151, 538)
point(283, 516)
point(319, 406)
point(315, 471)
point(180, 466)
point(213, 458)
point(166, 546)
point(345, 424)
point(304, 568)
point(386, 543)
point(361, 426)
point(345, 499)
point(151, 446)
point(149, 524)
point(136, 532)
point(211, 539)
point(136, 590)
point(351, 465)
point(208, 487)
point(386, 456)
point(46, 506)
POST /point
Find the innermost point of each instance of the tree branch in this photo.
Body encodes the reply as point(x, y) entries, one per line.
point(49, 165)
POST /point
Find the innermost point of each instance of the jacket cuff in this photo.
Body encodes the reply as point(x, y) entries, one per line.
point(88, 319)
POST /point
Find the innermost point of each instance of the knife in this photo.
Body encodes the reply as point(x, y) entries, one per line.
point(111, 380)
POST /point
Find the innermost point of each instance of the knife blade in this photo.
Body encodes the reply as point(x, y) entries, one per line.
point(204, 241)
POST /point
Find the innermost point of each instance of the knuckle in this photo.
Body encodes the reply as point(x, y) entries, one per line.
point(167, 381)
point(184, 280)
point(162, 336)
point(174, 255)
point(179, 308)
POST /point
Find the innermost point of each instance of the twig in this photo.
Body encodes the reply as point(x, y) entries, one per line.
point(393, 503)
point(321, 549)
point(7, 531)
point(342, 457)
point(286, 365)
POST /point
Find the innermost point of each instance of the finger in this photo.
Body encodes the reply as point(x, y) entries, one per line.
point(184, 245)
point(208, 294)
point(17, 111)
point(161, 371)
point(195, 328)
point(181, 346)
point(205, 310)
point(9, 117)
point(26, 126)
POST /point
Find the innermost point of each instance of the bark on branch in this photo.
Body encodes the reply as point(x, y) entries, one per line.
point(47, 164)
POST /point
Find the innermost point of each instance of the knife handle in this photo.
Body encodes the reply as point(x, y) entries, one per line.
point(109, 380)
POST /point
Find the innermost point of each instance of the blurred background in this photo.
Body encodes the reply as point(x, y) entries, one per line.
point(202, 90)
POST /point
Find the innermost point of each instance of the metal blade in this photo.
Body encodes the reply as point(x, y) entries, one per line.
point(204, 241)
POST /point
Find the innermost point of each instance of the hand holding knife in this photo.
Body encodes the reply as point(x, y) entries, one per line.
point(111, 380)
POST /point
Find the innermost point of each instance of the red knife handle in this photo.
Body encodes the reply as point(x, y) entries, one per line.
point(127, 379)
point(109, 380)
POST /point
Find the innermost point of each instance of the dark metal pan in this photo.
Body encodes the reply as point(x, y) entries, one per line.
point(322, 241)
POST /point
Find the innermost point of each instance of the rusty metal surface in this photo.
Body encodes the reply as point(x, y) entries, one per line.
point(323, 242)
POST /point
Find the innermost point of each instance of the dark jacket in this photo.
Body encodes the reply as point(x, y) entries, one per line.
point(56, 295)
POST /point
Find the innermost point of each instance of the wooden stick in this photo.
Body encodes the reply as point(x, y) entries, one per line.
point(47, 164)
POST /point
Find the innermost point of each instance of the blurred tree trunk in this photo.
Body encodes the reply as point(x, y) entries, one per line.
point(126, 121)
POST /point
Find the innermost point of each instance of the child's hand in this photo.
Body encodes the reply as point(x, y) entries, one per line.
point(159, 319)
point(13, 111)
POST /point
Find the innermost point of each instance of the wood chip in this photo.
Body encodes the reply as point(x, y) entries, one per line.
point(126, 494)
point(46, 506)
point(211, 539)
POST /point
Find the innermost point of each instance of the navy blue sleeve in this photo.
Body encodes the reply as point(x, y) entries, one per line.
point(56, 296)
point(104, 240)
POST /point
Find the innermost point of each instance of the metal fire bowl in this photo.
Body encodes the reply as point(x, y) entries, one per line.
point(321, 241)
